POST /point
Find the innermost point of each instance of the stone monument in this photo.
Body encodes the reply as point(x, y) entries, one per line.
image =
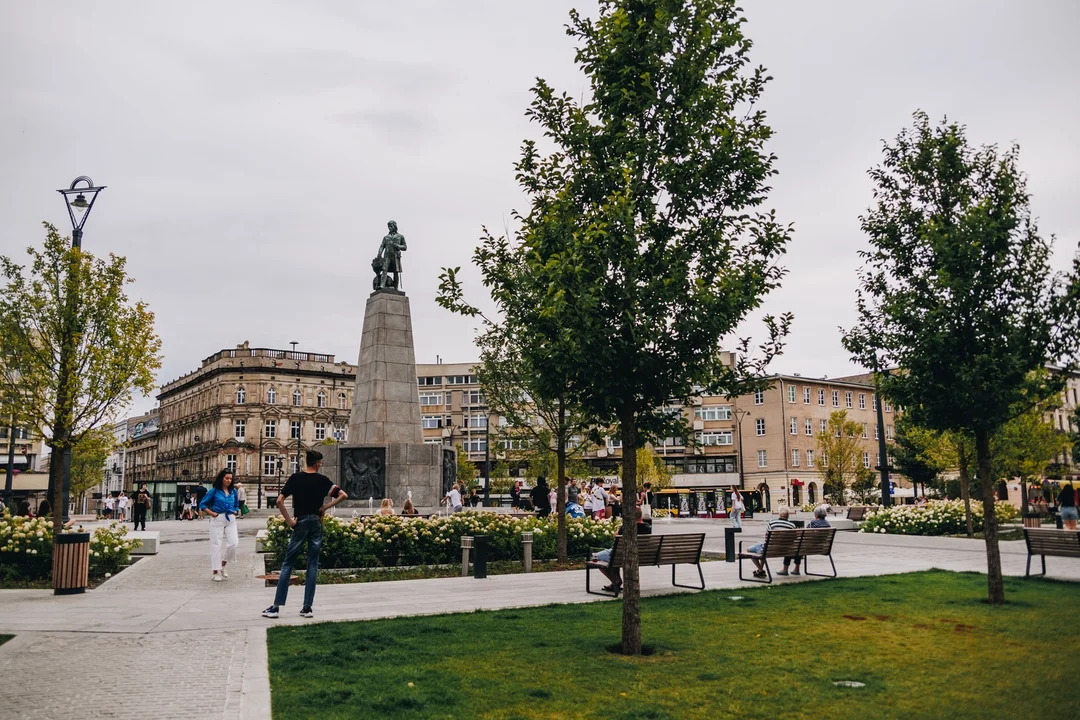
point(385, 455)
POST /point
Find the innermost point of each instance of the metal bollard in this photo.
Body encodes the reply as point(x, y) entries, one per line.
point(480, 542)
point(729, 543)
point(526, 546)
point(466, 545)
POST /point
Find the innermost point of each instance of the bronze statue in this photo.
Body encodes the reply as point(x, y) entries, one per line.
point(389, 259)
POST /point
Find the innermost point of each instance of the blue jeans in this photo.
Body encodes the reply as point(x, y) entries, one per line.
point(307, 528)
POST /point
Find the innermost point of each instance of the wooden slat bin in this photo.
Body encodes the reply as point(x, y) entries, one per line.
point(70, 563)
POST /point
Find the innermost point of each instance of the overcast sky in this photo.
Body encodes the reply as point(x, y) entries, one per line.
point(253, 151)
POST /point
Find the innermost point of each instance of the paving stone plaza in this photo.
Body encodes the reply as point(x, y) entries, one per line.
point(197, 649)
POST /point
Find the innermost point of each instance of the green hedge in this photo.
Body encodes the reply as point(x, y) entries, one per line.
point(26, 546)
point(938, 517)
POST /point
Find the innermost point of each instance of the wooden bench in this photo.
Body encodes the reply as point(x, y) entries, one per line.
point(791, 543)
point(1059, 543)
point(658, 550)
point(857, 513)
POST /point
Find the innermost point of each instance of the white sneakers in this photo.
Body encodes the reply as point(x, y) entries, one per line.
point(217, 578)
point(224, 572)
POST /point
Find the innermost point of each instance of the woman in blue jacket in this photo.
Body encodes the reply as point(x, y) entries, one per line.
point(222, 504)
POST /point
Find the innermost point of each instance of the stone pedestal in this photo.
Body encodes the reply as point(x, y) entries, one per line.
point(386, 455)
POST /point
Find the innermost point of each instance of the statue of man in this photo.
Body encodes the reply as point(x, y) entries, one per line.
point(390, 257)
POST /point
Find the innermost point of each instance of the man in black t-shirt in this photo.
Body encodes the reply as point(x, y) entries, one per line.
point(308, 489)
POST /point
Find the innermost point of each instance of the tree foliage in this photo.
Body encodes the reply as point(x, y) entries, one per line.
point(841, 460)
point(652, 469)
point(957, 292)
point(88, 457)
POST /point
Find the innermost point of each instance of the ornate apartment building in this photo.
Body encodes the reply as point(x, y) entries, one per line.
point(251, 410)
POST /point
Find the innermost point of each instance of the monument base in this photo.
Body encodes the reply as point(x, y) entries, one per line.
point(373, 472)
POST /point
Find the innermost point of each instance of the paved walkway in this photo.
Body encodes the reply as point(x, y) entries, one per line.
point(198, 648)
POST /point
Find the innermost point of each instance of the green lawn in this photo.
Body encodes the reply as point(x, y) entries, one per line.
point(924, 644)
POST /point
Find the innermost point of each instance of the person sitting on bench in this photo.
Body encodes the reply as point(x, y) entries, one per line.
point(780, 523)
point(604, 556)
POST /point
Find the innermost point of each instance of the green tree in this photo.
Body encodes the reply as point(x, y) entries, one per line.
point(909, 457)
point(840, 454)
point(958, 292)
point(1026, 445)
point(466, 469)
point(88, 457)
point(80, 346)
point(646, 242)
point(652, 469)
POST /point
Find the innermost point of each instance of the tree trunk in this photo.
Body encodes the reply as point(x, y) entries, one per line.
point(560, 493)
point(995, 582)
point(631, 617)
point(56, 482)
point(965, 481)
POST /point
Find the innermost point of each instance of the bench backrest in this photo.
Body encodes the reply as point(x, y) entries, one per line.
point(680, 548)
point(648, 549)
point(1052, 542)
point(856, 513)
point(809, 541)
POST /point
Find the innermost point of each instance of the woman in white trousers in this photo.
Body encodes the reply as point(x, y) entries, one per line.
point(222, 504)
point(737, 507)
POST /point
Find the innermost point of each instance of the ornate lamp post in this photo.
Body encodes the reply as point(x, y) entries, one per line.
point(10, 475)
point(740, 415)
point(79, 198)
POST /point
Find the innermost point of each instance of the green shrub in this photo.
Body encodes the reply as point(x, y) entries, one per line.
point(26, 547)
point(110, 550)
point(938, 517)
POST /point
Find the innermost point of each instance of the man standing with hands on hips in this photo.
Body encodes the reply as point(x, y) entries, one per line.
point(308, 489)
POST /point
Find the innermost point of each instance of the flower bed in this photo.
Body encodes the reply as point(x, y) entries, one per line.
point(26, 548)
point(388, 541)
point(939, 517)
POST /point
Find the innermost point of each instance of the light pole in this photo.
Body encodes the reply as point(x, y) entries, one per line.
point(886, 495)
point(78, 208)
point(740, 414)
point(9, 477)
point(487, 459)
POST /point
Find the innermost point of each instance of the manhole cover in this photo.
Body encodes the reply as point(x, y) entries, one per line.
point(736, 597)
point(848, 683)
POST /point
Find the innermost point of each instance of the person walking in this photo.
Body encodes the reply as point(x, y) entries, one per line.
point(737, 507)
point(241, 499)
point(600, 499)
point(222, 504)
point(1067, 507)
point(540, 497)
point(142, 504)
point(308, 489)
point(122, 504)
point(453, 499)
point(109, 503)
point(515, 495)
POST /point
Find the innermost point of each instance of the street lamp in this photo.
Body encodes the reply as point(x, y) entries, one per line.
point(740, 414)
point(78, 208)
point(883, 450)
point(16, 378)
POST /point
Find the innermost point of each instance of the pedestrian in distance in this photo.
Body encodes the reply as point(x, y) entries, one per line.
point(1067, 507)
point(142, 504)
point(541, 497)
point(241, 496)
point(737, 507)
point(122, 504)
point(600, 499)
point(308, 489)
point(453, 499)
point(515, 495)
point(24, 509)
point(222, 504)
point(44, 509)
point(409, 509)
point(387, 507)
point(110, 504)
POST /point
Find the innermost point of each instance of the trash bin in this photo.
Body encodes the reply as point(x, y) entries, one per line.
point(799, 524)
point(480, 551)
point(70, 563)
point(1032, 520)
point(729, 543)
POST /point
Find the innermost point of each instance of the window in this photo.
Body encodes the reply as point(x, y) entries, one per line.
point(762, 458)
point(239, 429)
point(269, 465)
point(809, 458)
point(472, 397)
point(873, 402)
point(877, 458)
point(888, 432)
point(824, 459)
point(760, 425)
point(270, 429)
point(477, 421)
point(230, 463)
point(430, 422)
point(888, 407)
point(241, 396)
point(862, 401)
point(476, 445)
point(297, 398)
point(823, 426)
point(431, 398)
point(614, 443)
point(794, 457)
point(839, 427)
point(821, 396)
point(717, 437)
point(806, 395)
point(320, 399)
point(791, 390)
point(794, 426)
point(320, 430)
point(864, 428)
point(866, 459)
point(809, 426)
point(429, 380)
point(713, 412)
point(294, 430)
point(836, 398)
point(876, 431)
point(516, 444)
point(847, 399)
point(759, 397)
point(342, 401)
point(461, 380)
point(271, 396)
point(341, 433)
point(294, 463)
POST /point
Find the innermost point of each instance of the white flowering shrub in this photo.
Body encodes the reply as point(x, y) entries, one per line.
point(939, 517)
point(393, 540)
point(110, 550)
point(25, 547)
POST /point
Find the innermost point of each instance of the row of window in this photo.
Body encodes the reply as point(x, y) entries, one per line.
point(434, 422)
point(796, 458)
point(807, 394)
point(270, 430)
point(468, 397)
point(297, 398)
point(713, 412)
point(450, 380)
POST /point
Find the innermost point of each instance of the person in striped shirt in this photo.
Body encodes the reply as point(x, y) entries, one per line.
point(780, 523)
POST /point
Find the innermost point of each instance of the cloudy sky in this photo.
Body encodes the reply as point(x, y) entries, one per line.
point(253, 151)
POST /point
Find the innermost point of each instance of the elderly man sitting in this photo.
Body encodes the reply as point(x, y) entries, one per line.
point(780, 523)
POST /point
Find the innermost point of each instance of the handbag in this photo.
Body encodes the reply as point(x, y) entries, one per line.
point(244, 509)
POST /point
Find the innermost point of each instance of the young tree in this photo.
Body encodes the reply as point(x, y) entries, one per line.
point(88, 457)
point(79, 346)
point(1025, 446)
point(909, 456)
point(841, 457)
point(466, 469)
point(646, 241)
point(652, 469)
point(958, 292)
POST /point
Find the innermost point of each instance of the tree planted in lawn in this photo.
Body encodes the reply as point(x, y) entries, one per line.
point(841, 458)
point(646, 246)
point(958, 293)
